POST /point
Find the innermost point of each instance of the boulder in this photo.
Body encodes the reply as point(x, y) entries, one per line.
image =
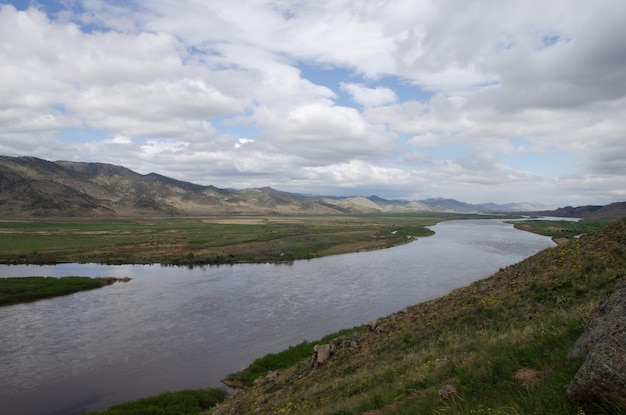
point(602, 377)
point(321, 353)
point(375, 326)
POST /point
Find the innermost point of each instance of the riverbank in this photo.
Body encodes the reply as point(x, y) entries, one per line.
point(27, 289)
point(497, 346)
point(207, 240)
point(560, 231)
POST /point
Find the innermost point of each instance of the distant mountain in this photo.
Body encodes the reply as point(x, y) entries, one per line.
point(594, 213)
point(382, 201)
point(607, 213)
point(32, 187)
point(452, 205)
point(448, 205)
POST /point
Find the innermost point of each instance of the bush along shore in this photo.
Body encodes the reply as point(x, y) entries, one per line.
point(27, 289)
point(186, 402)
point(497, 346)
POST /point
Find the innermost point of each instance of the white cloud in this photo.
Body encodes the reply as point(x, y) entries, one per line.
point(215, 92)
point(369, 97)
point(118, 139)
point(163, 147)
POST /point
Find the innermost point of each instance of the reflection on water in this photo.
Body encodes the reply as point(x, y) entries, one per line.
point(172, 328)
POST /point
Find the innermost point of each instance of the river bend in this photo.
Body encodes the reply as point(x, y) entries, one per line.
point(172, 328)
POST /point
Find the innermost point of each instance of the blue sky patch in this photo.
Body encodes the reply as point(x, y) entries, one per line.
point(82, 134)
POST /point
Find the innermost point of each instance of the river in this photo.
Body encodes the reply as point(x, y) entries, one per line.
point(172, 328)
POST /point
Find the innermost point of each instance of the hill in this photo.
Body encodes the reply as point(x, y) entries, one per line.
point(33, 187)
point(592, 213)
point(606, 213)
point(497, 346)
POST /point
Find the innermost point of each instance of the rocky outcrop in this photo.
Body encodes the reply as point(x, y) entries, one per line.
point(321, 353)
point(601, 380)
point(376, 326)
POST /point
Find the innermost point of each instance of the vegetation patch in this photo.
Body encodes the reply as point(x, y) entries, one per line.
point(275, 361)
point(558, 229)
point(206, 240)
point(186, 402)
point(26, 289)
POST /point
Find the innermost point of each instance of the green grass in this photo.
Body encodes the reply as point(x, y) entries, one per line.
point(558, 228)
point(276, 361)
point(186, 402)
point(209, 240)
point(501, 342)
point(26, 289)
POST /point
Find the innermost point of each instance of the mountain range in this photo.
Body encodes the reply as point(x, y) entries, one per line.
point(34, 187)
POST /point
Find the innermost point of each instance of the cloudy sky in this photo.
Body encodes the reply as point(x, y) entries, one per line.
point(490, 100)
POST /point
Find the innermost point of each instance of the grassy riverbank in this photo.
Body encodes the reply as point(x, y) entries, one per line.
point(26, 289)
point(206, 240)
point(560, 230)
point(501, 342)
point(186, 402)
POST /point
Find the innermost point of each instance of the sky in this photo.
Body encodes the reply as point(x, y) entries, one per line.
point(482, 101)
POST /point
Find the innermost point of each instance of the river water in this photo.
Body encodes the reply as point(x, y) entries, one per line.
point(172, 328)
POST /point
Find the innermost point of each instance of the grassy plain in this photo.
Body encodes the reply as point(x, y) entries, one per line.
point(559, 230)
point(26, 289)
point(205, 240)
point(501, 342)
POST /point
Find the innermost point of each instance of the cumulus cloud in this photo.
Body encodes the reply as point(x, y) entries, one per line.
point(411, 99)
point(369, 97)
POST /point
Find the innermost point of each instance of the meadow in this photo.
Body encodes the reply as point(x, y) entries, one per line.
point(205, 240)
point(559, 230)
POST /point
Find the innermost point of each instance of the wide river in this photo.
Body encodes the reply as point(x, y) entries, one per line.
point(172, 328)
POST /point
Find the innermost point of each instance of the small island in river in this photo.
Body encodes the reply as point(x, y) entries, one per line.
point(26, 289)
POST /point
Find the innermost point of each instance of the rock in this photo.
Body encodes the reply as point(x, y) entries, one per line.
point(231, 383)
point(602, 377)
point(375, 326)
point(321, 353)
point(447, 392)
